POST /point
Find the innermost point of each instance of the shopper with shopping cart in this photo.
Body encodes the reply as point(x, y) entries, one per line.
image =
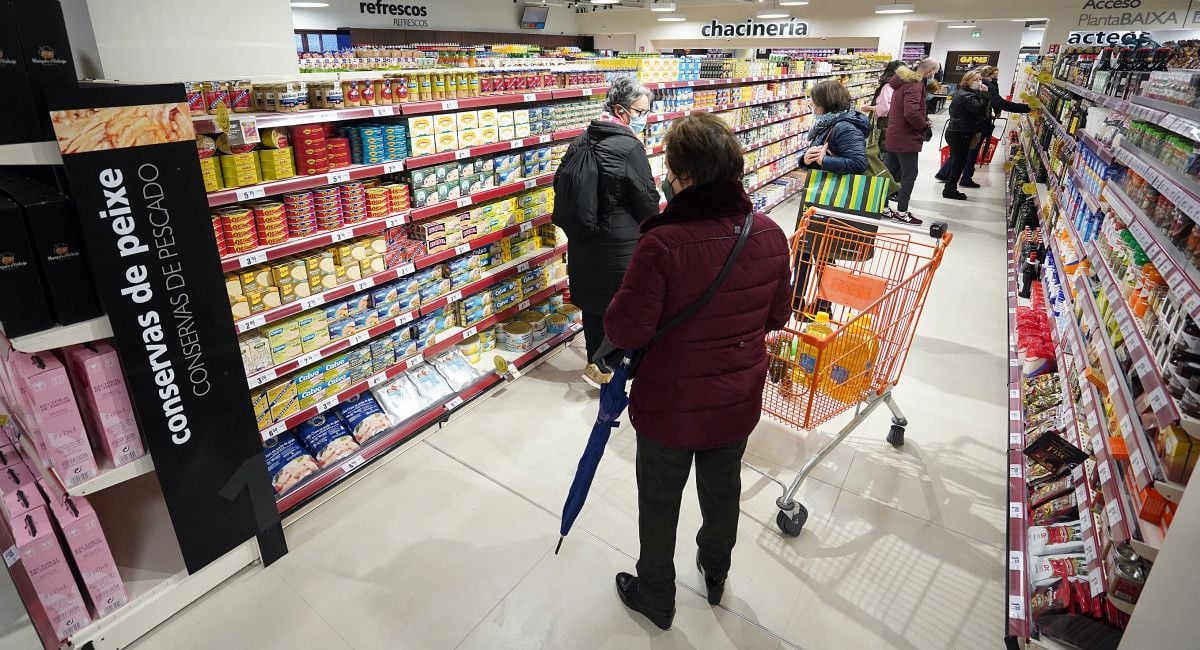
point(708, 279)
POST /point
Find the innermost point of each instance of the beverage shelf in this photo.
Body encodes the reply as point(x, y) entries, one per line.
point(385, 442)
point(337, 293)
point(1183, 191)
point(63, 335)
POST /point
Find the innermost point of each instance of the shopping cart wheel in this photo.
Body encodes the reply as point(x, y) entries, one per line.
point(791, 525)
point(896, 436)
point(937, 229)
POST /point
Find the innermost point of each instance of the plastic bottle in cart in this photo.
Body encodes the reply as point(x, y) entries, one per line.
point(851, 359)
point(806, 355)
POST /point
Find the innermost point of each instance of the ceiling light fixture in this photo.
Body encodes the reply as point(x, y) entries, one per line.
point(666, 7)
point(961, 26)
point(767, 14)
point(1037, 28)
point(1026, 20)
point(793, 3)
point(606, 2)
point(672, 18)
point(309, 5)
point(895, 8)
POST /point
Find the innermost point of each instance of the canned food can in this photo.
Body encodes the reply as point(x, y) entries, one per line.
point(1126, 580)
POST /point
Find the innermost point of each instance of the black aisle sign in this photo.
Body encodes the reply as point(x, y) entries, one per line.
point(130, 158)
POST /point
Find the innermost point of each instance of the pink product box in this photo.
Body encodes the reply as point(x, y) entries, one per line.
point(88, 546)
point(100, 386)
point(64, 442)
point(18, 492)
point(43, 561)
point(8, 455)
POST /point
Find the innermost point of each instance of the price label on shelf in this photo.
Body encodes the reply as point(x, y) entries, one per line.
point(451, 105)
point(531, 183)
point(526, 227)
point(250, 259)
point(260, 379)
point(363, 285)
point(1015, 470)
point(1126, 427)
point(383, 111)
point(353, 463)
point(463, 202)
point(586, 92)
point(1085, 396)
point(375, 380)
point(1092, 421)
point(1113, 510)
point(1089, 550)
point(523, 305)
point(339, 176)
point(311, 301)
point(250, 193)
point(1016, 510)
point(324, 116)
point(543, 348)
point(326, 404)
point(462, 249)
point(341, 235)
point(1127, 330)
point(273, 430)
point(522, 267)
point(311, 357)
point(1016, 608)
point(544, 139)
point(1103, 471)
point(1097, 445)
point(11, 555)
point(516, 144)
point(1191, 303)
point(1014, 416)
point(1081, 497)
point(1143, 367)
point(469, 332)
point(1077, 473)
point(529, 97)
point(405, 319)
point(1112, 387)
point(454, 403)
point(413, 362)
point(1158, 399)
point(1013, 363)
point(1014, 438)
point(1014, 393)
point(1085, 522)
point(406, 269)
point(393, 167)
point(1095, 582)
point(392, 222)
point(462, 154)
point(1016, 560)
point(360, 337)
point(1137, 461)
point(247, 324)
point(454, 296)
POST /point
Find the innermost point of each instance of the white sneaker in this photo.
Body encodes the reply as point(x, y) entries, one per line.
point(595, 377)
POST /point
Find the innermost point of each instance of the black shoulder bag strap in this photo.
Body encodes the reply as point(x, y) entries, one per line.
point(690, 310)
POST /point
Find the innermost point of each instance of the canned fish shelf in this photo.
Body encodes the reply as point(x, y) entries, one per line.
point(337, 293)
point(674, 115)
point(385, 442)
point(265, 120)
point(301, 244)
point(445, 341)
point(300, 183)
point(418, 162)
point(482, 197)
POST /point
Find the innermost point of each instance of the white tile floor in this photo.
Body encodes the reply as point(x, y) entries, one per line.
point(448, 543)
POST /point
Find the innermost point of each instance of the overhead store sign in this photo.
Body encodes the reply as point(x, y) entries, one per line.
point(402, 14)
point(1106, 38)
point(1113, 13)
point(130, 157)
point(752, 28)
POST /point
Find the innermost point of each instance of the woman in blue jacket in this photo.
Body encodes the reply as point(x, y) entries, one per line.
point(839, 133)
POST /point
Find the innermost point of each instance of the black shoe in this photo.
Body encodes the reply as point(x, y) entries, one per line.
point(627, 589)
point(954, 195)
point(940, 178)
point(716, 588)
point(971, 184)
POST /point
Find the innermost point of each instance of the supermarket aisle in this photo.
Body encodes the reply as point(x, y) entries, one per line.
point(449, 542)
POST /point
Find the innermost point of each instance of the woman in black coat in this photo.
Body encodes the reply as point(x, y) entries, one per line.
point(969, 109)
point(997, 103)
point(600, 248)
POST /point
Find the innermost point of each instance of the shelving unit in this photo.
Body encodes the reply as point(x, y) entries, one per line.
point(63, 335)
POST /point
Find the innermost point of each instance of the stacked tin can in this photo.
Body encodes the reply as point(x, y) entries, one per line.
point(354, 202)
point(309, 146)
point(328, 202)
point(270, 222)
point(237, 222)
point(301, 213)
point(339, 152)
point(379, 202)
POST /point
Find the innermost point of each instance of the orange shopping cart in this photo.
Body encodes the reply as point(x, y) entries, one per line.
point(860, 287)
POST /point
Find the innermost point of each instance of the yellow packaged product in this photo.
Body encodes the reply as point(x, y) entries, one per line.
point(210, 171)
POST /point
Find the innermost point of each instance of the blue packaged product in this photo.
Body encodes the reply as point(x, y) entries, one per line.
point(462, 279)
point(340, 329)
point(408, 348)
point(288, 462)
point(462, 263)
point(501, 303)
point(362, 417)
point(360, 373)
point(504, 287)
point(326, 438)
point(337, 311)
point(408, 302)
point(476, 300)
point(356, 305)
point(385, 294)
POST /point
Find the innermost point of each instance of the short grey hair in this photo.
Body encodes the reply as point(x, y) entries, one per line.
point(624, 91)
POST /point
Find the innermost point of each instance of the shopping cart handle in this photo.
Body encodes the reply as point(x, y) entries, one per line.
point(937, 229)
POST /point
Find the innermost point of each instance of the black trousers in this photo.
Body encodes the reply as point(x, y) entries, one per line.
point(905, 164)
point(661, 475)
point(593, 333)
point(960, 148)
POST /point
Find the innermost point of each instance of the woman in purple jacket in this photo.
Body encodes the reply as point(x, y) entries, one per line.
point(698, 392)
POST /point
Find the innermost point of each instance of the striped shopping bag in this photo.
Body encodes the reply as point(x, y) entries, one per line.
point(855, 194)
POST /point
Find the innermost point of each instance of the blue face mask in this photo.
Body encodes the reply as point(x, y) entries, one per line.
point(638, 124)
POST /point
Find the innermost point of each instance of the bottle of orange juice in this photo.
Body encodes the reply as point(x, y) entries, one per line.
point(851, 361)
point(806, 355)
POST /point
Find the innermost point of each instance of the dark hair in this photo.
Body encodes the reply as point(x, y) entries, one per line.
point(889, 71)
point(832, 96)
point(702, 149)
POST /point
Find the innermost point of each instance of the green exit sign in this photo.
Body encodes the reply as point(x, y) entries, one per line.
point(976, 34)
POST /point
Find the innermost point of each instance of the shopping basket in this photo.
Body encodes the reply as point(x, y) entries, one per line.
point(873, 300)
point(985, 152)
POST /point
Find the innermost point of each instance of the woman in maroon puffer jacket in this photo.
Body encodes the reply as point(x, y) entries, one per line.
point(698, 391)
point(908, 129)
